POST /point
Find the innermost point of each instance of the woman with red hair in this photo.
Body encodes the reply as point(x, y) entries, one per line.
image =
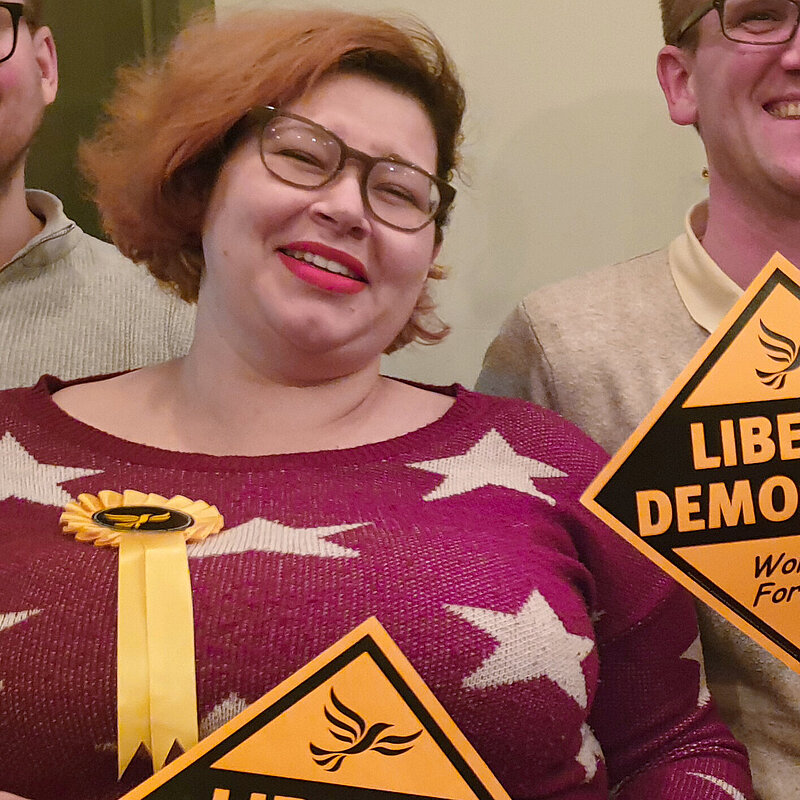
point(290, 172)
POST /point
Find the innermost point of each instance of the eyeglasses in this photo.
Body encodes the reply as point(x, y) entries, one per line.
point(304, 154)
point(10, 14)
point(750, 21)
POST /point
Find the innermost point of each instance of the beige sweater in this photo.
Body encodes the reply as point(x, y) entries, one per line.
point(73, 306)
point(601, 349)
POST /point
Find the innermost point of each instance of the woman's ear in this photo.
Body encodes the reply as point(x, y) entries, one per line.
point(674, 68)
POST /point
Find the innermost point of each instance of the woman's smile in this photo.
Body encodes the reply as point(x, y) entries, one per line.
point(325, 267)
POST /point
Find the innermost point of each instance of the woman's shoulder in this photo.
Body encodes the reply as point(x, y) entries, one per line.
point(29, 412)
point(21, 401)
point(538, 426)
point(514, 434)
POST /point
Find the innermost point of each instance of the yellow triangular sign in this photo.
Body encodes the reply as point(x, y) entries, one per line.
point(708, 486)
point(356, 721)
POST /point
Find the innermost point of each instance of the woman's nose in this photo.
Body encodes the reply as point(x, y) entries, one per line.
point(340, 204)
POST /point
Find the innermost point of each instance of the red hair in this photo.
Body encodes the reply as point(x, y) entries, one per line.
point(155, 159)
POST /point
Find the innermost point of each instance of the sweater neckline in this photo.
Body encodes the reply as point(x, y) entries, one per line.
point(55, 422)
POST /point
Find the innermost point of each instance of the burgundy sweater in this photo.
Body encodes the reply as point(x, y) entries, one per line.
point(570, 663)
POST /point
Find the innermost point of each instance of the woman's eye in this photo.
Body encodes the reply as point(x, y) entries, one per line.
point(396, 194)
point(302, 157)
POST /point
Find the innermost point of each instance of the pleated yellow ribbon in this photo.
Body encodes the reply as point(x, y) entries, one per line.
point(156, 685)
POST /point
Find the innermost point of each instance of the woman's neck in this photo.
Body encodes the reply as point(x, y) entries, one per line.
point(224, 407)
point(259, 412)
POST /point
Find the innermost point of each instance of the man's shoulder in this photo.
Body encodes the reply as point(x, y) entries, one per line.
point(598, 348)
point(645, 276)
point(106, 267)
point(102, 255)
point(627, 308)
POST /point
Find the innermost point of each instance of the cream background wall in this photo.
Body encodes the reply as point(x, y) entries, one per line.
point(571, 157)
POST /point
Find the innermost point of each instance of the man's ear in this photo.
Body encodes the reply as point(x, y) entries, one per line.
point(674, 68)
point(44, 49)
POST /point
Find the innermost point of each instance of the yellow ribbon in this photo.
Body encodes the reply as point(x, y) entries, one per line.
point(156, 684)
point(156, 695)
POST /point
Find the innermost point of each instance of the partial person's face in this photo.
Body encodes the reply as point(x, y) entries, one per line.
point(745, 101)
point(28, 84)
point(267, 244)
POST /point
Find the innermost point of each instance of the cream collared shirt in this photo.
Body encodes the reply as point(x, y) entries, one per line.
point(706, 291)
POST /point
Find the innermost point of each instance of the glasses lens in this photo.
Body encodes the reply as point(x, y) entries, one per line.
point(759, 21)
point(402, 195)
point(299, 153)
point(6, 33)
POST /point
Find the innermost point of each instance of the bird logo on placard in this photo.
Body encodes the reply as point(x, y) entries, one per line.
point(351, 728)
point(783, 351)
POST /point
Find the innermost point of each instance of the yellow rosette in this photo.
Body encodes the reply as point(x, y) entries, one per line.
point(156, 684)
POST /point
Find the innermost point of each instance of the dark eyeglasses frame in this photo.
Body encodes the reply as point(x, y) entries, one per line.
point(262, 115)
point(719, 5)
point(17, 11)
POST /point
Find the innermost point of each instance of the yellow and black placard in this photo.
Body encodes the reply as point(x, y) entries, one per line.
point(357, 723)
point(708, 486)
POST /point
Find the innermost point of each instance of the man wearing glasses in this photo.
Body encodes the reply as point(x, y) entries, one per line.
point(69, 304)
point(602, 348)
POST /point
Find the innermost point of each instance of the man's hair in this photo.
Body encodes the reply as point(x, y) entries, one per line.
point(673, 15)
point(156, 158)
point(34, 13)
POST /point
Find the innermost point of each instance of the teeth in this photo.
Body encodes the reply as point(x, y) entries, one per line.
point(323, 263)
point(785, 110)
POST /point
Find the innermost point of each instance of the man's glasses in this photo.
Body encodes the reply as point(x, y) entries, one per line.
point(302, 153)
point(749, 21)
point(10, 14)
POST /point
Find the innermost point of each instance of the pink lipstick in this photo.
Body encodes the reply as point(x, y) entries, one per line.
point(324, 267)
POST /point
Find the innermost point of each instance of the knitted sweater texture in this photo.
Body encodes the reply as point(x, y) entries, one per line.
point(600, 349)
point(73, 306)
point(570, 663)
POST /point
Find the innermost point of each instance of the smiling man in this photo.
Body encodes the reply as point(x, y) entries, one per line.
point(602, 348)
point(70, 304)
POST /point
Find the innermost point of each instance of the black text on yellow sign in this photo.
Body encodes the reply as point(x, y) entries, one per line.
point(708, 486)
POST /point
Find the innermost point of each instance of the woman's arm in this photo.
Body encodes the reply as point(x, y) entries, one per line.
point(653, 714)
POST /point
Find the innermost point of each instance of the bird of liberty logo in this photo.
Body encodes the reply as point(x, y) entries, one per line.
point(783, 351)
point(351, 728)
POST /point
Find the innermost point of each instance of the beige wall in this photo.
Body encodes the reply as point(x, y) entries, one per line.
point(572, 160)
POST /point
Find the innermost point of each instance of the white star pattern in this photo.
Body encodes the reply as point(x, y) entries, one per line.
point(265, 536)
point(24, 477)
point(533, 643)
point(489, 462)
point(590, 753)
point(732, 791)
point(695, 653)
point(221, 713)
point(15, 617)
